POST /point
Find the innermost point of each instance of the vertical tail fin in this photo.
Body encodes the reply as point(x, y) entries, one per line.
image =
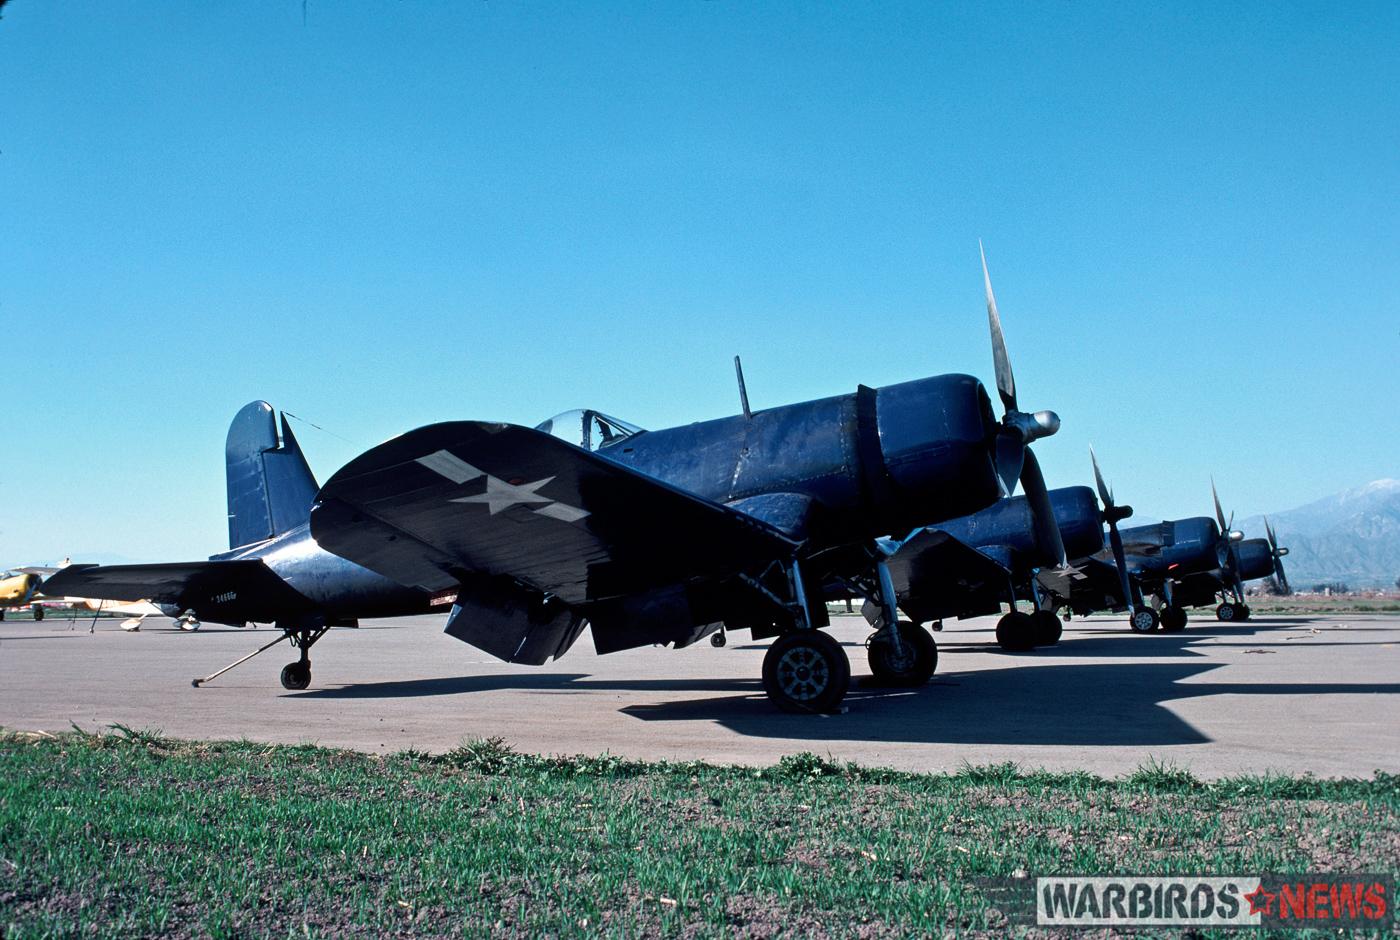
point(270, 486)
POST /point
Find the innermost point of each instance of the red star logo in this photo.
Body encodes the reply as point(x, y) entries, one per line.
point(1259, 901)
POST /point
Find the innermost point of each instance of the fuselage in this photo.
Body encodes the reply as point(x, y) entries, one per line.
point(828, 472)
point(17, 590)
point(1255, 559)
point(1009, 524)
point(339, 588)
point(1172, 549)
point(874, 462)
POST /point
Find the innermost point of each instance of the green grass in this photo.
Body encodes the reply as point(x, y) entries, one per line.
point(128, 833)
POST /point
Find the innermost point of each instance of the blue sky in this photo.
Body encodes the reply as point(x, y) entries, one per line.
point(386, 214)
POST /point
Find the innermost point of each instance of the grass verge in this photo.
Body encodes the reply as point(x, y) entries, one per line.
point(129, 833)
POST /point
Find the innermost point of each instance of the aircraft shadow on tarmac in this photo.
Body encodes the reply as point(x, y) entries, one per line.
point(1090, 704)
point(1022, 703)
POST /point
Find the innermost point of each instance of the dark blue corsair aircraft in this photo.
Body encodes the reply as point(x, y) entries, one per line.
point(1179, 563)
point(1005, 554)
point(660, 537)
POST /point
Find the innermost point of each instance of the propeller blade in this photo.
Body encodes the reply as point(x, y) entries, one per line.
point(1120, 560)
point(1105, 494)
point(1047, 531)
point(1278, 554)
point(1219, 513)
point(1006, 382)
point(1011, 455)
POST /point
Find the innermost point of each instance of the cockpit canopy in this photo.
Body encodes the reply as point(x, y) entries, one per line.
point(588, 429)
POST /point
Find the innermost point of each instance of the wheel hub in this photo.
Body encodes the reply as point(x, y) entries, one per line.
point(803, 674)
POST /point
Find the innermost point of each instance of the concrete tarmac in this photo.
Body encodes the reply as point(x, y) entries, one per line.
point(1281, 693)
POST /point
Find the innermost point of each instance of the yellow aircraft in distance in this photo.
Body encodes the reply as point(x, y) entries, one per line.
point(22, 588)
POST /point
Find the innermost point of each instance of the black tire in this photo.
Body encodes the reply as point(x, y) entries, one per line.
point(1242, 612)
point(806, 671)
point(1173, 619)
point(1016, 632)
point(296, 676)
point(717, 639)
point(1225, 612)
point(38, 613)
point(1046, 627)
point(1144, 620)
point(914, 668)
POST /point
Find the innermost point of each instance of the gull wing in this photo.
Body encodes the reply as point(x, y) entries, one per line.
point(449, 503)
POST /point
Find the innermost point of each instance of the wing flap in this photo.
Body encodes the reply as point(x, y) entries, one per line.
point(1098, 587)
point(937, 576)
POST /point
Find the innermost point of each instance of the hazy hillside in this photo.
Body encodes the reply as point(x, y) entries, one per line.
point(1353, 536)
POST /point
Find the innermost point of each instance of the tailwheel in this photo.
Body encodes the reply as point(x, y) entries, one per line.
point(1016, 632)
point(1226, 612)
point(717, 639)
point(296, 676)
point(914, 663)
point(806, 671)
point(1173, 619)
point(1046, 628)
point(1144, 620)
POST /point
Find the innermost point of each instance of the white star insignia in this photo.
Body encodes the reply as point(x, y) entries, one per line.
point(502, 495)
point(499, 494)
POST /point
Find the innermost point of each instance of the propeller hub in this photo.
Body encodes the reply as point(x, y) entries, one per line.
point(1114, 514)
point(1236, 535)
point(1032, 427)
point(1280, 552)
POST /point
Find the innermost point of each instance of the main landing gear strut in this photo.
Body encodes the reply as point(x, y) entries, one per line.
point(806, 670)
point(295, 675)
point(901, 653)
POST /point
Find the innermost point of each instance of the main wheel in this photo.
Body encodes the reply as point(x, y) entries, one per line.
point(913, 668)
point(1242, 612)
point(1226, 612)
point(1016, 632)
point(296, 676)
point(1046, 627)
point(38, 613)
point(806, 671)
point(1173, 619)
point(1144, 620)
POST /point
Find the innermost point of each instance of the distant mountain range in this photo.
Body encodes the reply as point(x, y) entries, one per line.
point(1352, 537)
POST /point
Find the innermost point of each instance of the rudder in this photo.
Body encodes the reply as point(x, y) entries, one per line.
point(270, 485)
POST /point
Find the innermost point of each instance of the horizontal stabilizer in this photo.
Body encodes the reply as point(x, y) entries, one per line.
point(235, 591)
